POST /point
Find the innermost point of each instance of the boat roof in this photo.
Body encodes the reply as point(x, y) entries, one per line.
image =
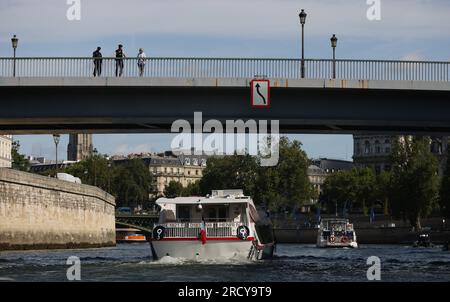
point(203, 200)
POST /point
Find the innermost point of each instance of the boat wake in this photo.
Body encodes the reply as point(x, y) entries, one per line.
point(168, 260)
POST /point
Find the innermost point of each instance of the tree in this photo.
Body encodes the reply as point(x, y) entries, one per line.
point(444, 192)
point(192, 189)
point(285, 185)
point(129, 182)
point(19, 161)
point(173, 189)
point(383, 190)
point(350, 189)
point(414, 179)
point(96, 170)
point(132, 183)
point(230, 172)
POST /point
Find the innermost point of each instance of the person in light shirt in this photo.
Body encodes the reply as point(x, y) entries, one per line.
point(141, 61)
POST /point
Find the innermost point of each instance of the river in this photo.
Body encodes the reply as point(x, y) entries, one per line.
point(293, 262)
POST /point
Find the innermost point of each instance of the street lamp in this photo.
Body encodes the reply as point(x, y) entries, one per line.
point(14, 42)
point(302, 17)
point(333, 45)
point(56, 139)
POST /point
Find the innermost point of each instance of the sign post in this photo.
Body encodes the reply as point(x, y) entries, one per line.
point(260, 93)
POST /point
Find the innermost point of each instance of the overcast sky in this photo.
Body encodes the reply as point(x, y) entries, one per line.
point(408, 29)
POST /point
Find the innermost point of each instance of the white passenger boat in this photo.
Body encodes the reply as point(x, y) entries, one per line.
point(221, 226)
point(335, 232)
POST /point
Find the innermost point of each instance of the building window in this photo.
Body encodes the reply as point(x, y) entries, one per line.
point(366, 147)
point(196, 172)
point(377, 147)
point(358, 148)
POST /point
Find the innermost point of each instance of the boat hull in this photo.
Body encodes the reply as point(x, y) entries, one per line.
point(327, 244)
point(195, 250)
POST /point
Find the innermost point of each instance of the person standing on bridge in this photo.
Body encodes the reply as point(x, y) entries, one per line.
point(97, 55)
point(141, 61)
point(119, 60)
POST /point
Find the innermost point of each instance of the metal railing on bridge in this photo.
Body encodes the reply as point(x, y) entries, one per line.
point(230, 68)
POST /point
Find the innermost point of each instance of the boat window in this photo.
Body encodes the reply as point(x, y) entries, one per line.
point(216, 213)
point(184, 213)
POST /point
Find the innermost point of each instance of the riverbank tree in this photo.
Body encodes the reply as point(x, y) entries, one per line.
point(283, 186)
point(414, 179)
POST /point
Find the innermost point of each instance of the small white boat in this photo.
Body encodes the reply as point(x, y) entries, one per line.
point(221, 226)
point(336, 232)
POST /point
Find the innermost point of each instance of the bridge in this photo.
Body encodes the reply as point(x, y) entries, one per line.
point(50, 95)
point(141, 222)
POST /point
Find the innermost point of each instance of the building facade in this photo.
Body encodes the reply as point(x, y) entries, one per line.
point(5, 151)
point(166, 167)
point(80, 147)
point(375, 151)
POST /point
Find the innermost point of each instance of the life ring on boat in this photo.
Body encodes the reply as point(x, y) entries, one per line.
point(158, 232)
point(344, 239)
point(242, 232)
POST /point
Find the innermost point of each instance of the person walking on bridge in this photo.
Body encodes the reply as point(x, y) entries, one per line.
point(97, 55)
point(119, 60)
point(141, 61)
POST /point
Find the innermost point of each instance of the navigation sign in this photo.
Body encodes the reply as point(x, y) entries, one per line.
point(260, 93)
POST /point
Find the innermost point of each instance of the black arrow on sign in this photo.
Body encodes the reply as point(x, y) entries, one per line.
point(259, 92)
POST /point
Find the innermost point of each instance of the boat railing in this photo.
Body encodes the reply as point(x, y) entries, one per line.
point(192, 229)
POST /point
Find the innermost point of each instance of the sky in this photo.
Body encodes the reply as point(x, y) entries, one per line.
point(407, 29)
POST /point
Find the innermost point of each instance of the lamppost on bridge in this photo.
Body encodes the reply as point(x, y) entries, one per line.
point(333, 45)
point(56, 138)
point(302, 17)
point(14, 42)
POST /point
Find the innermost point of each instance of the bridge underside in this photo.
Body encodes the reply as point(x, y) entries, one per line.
point(115, 109)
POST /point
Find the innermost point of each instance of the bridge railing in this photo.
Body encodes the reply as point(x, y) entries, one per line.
point(231, 68)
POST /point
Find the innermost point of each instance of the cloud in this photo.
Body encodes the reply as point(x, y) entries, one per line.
point(45, 20)
point(124, 149)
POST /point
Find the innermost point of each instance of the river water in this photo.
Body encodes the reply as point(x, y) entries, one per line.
point(293, 262)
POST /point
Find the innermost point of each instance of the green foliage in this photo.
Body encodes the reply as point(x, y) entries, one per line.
point(281, 186)
point(444, 193)
point(229, 172)
point(132, 183)
point(357, 188)
point(192, 189)
point(173, 189)
point(19, 161)
point(129, 182)
point(414, 179)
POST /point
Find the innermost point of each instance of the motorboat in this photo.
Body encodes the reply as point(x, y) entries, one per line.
point(223, 225)
point(128, 235)
point(423, 240)
point(336, 232)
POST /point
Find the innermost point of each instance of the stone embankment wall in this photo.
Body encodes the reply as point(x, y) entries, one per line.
point(38, 212)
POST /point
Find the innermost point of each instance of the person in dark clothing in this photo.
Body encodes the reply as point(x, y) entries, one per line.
point(119, 60)
point(97, 55)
